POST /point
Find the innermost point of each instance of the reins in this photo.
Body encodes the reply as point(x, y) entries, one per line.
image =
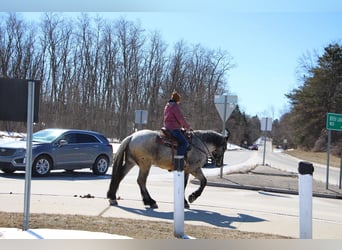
point(208, 153)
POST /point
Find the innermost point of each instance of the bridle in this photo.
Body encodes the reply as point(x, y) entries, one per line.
point(209, 155)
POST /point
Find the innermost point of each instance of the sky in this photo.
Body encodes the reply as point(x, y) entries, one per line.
point(265, 38)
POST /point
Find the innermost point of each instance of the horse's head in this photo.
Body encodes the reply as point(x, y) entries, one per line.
point(220, 149)
point(218, 144)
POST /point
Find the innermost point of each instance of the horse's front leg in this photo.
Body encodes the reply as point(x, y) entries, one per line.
point(142, 177)
point(186, 178)
point(203, 182)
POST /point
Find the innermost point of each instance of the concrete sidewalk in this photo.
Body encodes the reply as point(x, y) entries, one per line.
point(210, 210)
point(266, 178)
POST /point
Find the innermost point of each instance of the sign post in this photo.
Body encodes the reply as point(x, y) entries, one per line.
point(266, 125)
point(334, 122)
point(225, 104)
point(28, 167)
point(19, 101)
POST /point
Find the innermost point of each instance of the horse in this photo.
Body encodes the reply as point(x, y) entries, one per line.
point(142, 149)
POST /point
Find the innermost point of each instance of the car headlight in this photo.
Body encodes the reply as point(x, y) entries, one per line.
point(21, 151)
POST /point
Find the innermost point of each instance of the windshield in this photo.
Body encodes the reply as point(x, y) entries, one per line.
point(47, 135)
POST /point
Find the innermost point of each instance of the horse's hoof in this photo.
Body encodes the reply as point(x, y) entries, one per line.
point(191, 198)
point(186, 205)
point(113, 202)
point(154, 206)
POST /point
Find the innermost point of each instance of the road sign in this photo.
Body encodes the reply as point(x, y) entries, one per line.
point(334, 121)
point(266, 124)
point(141, 117)
point(225, 105)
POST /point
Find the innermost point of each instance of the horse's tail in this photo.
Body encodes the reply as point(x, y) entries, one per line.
point(119, 157)
point(118, 170)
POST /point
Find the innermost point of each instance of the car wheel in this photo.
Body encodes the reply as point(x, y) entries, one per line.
point(41, 166)
point(101, 165)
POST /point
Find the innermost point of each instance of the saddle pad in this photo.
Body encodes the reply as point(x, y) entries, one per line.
point(165, 141)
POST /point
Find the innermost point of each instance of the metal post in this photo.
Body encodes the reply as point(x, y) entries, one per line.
point(305, 170)
point(28, 168)
point(328, 159)
point(339, 183)
point(264, 154)
point(224, 126)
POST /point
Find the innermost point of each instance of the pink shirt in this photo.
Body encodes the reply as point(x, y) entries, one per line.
point(173, 117)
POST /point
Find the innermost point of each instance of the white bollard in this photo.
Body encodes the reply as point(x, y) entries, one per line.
point(305, 170)
point(178, 199)
point(178, 209)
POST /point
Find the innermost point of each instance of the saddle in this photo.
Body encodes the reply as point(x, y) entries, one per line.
point(166, 138)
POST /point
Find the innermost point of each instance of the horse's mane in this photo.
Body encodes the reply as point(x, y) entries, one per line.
point(210, 136)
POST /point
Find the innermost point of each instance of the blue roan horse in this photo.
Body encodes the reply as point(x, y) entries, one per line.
point(142, 149)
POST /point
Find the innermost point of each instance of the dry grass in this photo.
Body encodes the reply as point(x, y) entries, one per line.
point(137, 229)
point(316, 157)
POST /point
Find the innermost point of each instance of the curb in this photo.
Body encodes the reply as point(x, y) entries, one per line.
point(267, 189)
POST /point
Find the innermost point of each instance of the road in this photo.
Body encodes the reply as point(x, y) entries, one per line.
point(245, 210)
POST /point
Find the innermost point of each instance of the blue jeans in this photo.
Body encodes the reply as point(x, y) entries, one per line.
point(183, 143)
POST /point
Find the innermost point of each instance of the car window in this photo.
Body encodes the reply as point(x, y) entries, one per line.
point(70, 138)
point(86, 138)
point(47, 135)
point(103, 138)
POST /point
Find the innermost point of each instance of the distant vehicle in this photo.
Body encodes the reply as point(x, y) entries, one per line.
point(54, 149)
point(253, 147)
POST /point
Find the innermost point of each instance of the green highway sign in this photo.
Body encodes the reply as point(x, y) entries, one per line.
point(334, 121)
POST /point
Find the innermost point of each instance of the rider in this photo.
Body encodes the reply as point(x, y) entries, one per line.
point(174, 121)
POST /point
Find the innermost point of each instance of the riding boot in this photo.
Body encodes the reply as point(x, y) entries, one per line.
point(179, 163)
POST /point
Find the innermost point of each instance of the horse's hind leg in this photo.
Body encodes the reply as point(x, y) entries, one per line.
point(117, 177)
point(113, 187)
point(203, 182)
point(142, 177)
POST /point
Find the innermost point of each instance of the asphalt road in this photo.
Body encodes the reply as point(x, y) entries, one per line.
point(232, 208)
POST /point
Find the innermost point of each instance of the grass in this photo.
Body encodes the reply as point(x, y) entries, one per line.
point(137, 229)
point(315, 157)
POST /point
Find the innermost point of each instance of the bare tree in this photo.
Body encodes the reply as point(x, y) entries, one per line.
point(96, 73)
point(20, 57)
point(154, 76)
point(130, 44)
point(55, 42)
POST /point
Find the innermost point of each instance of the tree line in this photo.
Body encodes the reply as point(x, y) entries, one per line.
point(319, 93)
point(95, 72)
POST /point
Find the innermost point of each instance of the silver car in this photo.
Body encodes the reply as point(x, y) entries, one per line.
point(54, 149)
